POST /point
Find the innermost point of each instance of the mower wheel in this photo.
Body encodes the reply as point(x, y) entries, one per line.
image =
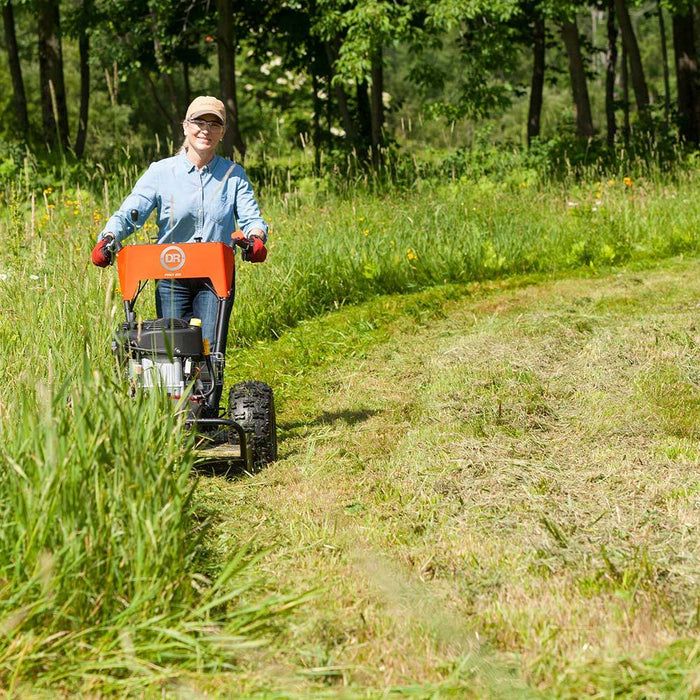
point(252, 405)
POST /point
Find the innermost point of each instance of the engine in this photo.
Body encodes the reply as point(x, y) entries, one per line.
point(167, 353)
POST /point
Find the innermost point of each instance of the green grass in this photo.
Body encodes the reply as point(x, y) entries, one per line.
point(327, 252)
point(104, 573)
point(121, 572)
point(104, 576)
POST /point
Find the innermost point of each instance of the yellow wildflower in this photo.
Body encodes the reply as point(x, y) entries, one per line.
point(628, 181)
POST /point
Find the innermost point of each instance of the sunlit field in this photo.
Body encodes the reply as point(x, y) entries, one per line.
point(108, 578)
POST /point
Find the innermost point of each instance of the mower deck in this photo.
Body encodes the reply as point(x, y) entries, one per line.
point(224, 451)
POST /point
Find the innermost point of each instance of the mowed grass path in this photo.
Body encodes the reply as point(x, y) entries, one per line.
point(493, 489)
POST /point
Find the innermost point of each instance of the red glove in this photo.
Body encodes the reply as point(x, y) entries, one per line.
point(253, 248)
point(102, 252)
point(257, 252)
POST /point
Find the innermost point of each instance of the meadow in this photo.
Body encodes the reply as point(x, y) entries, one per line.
point(121, 570)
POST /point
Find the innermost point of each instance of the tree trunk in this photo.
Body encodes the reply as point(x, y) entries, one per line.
point(84, 54)
point(316, 124)
point(18, 94)
point(345, 115)
point(625, 84)
point(329, 106)
point(611, 124)
point(176, 111)
point(153, 92)
point(341, 98)
point(186, 83)
point(53, 90)
point(636, 71)
point(664, 58)
point(377, 106)
point(582, 105)
point(687, 77)
point(537, 83)
point(364, 117)
point(233, 140)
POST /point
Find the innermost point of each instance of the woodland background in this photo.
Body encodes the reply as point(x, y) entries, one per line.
point(92, 80)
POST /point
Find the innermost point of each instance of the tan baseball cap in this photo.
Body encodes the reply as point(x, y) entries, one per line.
point(205, 104)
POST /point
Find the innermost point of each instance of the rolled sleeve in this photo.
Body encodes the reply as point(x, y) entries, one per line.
point(247, 210)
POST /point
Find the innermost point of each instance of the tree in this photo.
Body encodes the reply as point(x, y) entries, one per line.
point(355, 35)
point(687, 75)
point(79, 23)
point(226, 42)
point(54, 109)
point(579, 85)
point(537, 83)
point(152, 45)
point(18, 93)
point(611, 61)
point(377, 104)
point(664, 59)
point(341, 96)
point(489, 37)
point(636, 71)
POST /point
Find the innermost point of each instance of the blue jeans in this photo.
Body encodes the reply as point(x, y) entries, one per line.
point(187, 299)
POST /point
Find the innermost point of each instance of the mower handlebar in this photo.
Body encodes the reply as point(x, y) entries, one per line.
point(238, 238)
point(253, 248)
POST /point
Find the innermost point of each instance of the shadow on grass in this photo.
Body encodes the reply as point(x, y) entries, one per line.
point(288, 431)
point(231, 470)
point(234, 470)
point(330, 418)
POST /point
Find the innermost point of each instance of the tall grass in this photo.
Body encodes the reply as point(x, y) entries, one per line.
point(327, 250)
point(104, 578)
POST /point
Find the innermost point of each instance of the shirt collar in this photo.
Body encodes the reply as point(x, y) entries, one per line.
point(190, 166)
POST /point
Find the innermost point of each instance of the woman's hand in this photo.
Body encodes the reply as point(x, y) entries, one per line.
point(102, 253)
point(252, 246)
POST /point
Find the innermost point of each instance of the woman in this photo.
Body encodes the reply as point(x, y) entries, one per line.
point(197, 196)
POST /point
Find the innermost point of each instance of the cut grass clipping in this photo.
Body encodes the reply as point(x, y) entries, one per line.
point(488, 493)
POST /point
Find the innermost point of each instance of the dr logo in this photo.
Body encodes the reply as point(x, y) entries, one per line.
point(172, 258)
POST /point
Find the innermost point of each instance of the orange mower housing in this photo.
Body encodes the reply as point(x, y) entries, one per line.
point(162, 261)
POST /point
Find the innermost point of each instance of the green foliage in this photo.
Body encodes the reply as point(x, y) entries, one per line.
point(365, 26)
point(465, 62)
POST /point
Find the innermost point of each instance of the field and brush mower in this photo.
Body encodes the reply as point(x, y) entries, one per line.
point(170, 354)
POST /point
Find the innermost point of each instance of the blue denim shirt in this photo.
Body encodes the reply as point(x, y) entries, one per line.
point(210, 203)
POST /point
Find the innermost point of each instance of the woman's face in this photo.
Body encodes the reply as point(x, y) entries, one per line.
point(203, 133)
